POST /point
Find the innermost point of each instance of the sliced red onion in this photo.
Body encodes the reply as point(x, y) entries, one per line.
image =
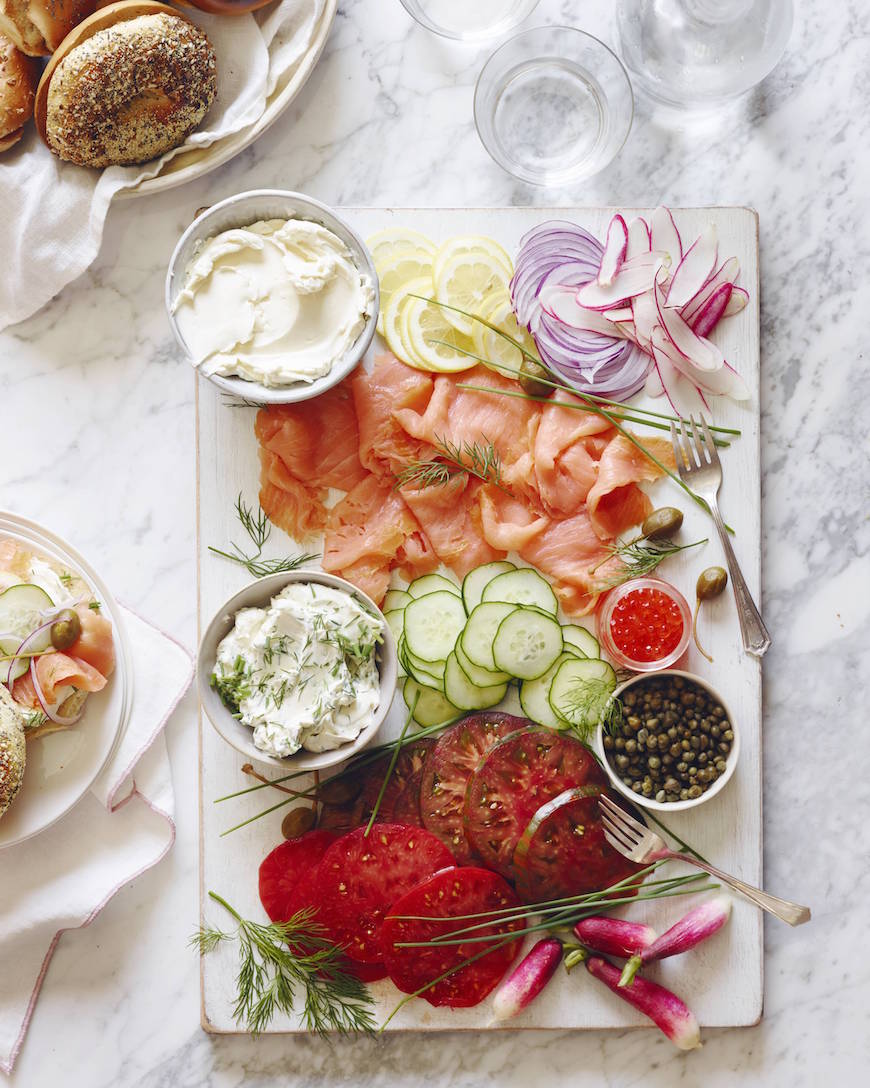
point(51, 712)
point(615, 246)
point(695, 269)
point(29, 645)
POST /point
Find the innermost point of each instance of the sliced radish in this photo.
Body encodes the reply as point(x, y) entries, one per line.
point(615, 246)
point(702, 354)
point(561, 303)
point(633, 278)
point(727, 273)
point(737, 302)
point(646, 318)
point(664, 235)
point(695, 269)
point(638, 239)
point(722, 381)
point(709, 315)
point(684, 397)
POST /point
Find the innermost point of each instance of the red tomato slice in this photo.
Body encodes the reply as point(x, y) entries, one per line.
point(563, 850)
point(359, 878)
point(448, 768)
point(286, 874)
point(395, 806)
point(448, 895)
point(521, 773)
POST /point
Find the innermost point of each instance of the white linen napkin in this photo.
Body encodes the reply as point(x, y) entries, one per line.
point(52, 213)
point(121, 828)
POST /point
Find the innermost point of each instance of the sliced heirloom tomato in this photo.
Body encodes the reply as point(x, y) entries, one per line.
point(286, 874)
point(397, 806)
point(448, 768)
point(359, 878)
point(563, 850)
point(521, 773)
point(437, 906)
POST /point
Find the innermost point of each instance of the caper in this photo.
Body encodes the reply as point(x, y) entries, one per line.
point(711, 582)
point(297, 822)
point(66, 629)
point(534, 378)
point(662, 523)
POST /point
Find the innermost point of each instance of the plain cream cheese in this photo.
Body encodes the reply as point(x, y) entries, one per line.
point(277, 302)
point(302, 671)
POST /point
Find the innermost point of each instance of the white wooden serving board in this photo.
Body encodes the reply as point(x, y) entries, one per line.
point(722, 980)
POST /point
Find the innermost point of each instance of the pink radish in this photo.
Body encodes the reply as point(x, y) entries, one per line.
point(614, 936)
point(694, 270)
point(634, 277)
point(691, 930)
point(615, 246)
point(527, 979)
point(727, 273)
point(682, 392)
point(638, 239)
point(701, 353)
point(561, 303)
point(664, 235)
point(738, 300)
point(722, 381)
point(708, 316)
point(666, 1010)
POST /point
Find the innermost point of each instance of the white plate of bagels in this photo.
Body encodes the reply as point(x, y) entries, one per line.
point(67, 97)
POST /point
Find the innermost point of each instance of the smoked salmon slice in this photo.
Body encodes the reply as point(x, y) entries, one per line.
point(392, 387)
point(450, 517)
point(95, 645)
point(615, 502)
point(58, 670)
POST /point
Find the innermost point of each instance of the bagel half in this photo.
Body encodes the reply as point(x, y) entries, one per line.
point(126, 85)
point(19, 76)
point(38, 27)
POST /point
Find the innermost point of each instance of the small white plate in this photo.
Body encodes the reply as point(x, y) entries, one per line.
point(62, 767)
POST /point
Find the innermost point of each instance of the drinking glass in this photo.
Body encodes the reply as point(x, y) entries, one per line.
point(699, 53)
point(553, 105)
point(469, 20)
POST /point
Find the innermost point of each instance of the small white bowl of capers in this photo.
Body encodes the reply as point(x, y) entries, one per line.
point(668, 741)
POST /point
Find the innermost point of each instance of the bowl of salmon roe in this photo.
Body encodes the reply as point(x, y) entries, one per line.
point(645, 624)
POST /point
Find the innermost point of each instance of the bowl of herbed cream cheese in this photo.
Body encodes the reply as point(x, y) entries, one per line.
point(298, 668)
point(272, 296)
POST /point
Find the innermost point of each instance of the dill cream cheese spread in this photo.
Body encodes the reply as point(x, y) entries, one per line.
point(302, 672)
point(277, 302)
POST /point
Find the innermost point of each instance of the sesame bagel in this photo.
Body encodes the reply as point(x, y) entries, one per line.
point(18, 78)
point(39, 26)
point(129, 91)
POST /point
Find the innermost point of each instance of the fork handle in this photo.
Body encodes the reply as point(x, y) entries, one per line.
point(756, 639)
point(784, 909)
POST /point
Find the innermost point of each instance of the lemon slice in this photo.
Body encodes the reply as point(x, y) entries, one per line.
point(387, 244)
point(464, 281)
point(393, 313)
point(403, 266)
point(472, 243)
point(434, 341)
point(498, 352)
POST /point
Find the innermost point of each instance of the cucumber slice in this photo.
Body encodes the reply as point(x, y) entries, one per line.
point(478, 676)
point(396, 598)
point(480, 630)
point(396, 622)
point(523, 586)
point(467, 696)
point(433, 623)
point(527, 643)
point(474, 582)
point(20, 608)
point(580, 639)
point(432, 583)
point(580, 690)
point(432, 708)
point(535, 695)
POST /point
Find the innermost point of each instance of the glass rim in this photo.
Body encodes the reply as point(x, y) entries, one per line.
point(475, 37)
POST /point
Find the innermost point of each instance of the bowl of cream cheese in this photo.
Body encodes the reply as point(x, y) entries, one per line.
point(272, 296)
point(298, 669)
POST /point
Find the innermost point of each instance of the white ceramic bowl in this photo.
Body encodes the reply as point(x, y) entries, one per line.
point(241, 211)
point(672, 806)
point(257, 595)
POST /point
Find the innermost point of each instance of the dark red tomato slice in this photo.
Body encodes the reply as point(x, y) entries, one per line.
point(449, 895)
point(360, 878)
point(521, 773)
point(449, 766)
point(395, 807)
point(563, 850)
point(286, 875)
point(406, 810)
point(365, 972)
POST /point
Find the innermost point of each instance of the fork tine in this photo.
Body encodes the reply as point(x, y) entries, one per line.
point(618, 813)
point(616, 828)
point(616, 844)
point(690, 452)
point(623, 840)
point(700, 443)
point(711, 445)
point(678, 451)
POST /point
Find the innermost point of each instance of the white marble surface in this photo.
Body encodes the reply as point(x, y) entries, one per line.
point(96, 440)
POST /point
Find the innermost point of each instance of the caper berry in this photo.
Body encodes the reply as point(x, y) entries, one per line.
point(66, 629)
point(297, 822)
point(662, 523)
point(533, 379)
point(711, 582)
point(339, 790)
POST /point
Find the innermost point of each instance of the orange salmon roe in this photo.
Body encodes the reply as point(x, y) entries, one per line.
point(646, 625)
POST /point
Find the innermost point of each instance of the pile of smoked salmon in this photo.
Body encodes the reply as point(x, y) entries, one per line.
point(568, 481)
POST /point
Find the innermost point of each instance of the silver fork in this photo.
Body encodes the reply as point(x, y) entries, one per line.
point(635, 841)
point(700, 469)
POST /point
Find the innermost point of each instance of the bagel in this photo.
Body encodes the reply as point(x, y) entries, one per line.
point(19, 76)
point(127, 85)
point(13, 749)
point(38, 27)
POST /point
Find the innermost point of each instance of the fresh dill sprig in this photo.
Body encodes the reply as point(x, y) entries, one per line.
point(478, 459)
point(639, 557)
point(283, 959)
point(259, 530)
point(583, 704)
point(238, 402)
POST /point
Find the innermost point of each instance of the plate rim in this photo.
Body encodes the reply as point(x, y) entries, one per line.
point(226, 148)
point(122, 646)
